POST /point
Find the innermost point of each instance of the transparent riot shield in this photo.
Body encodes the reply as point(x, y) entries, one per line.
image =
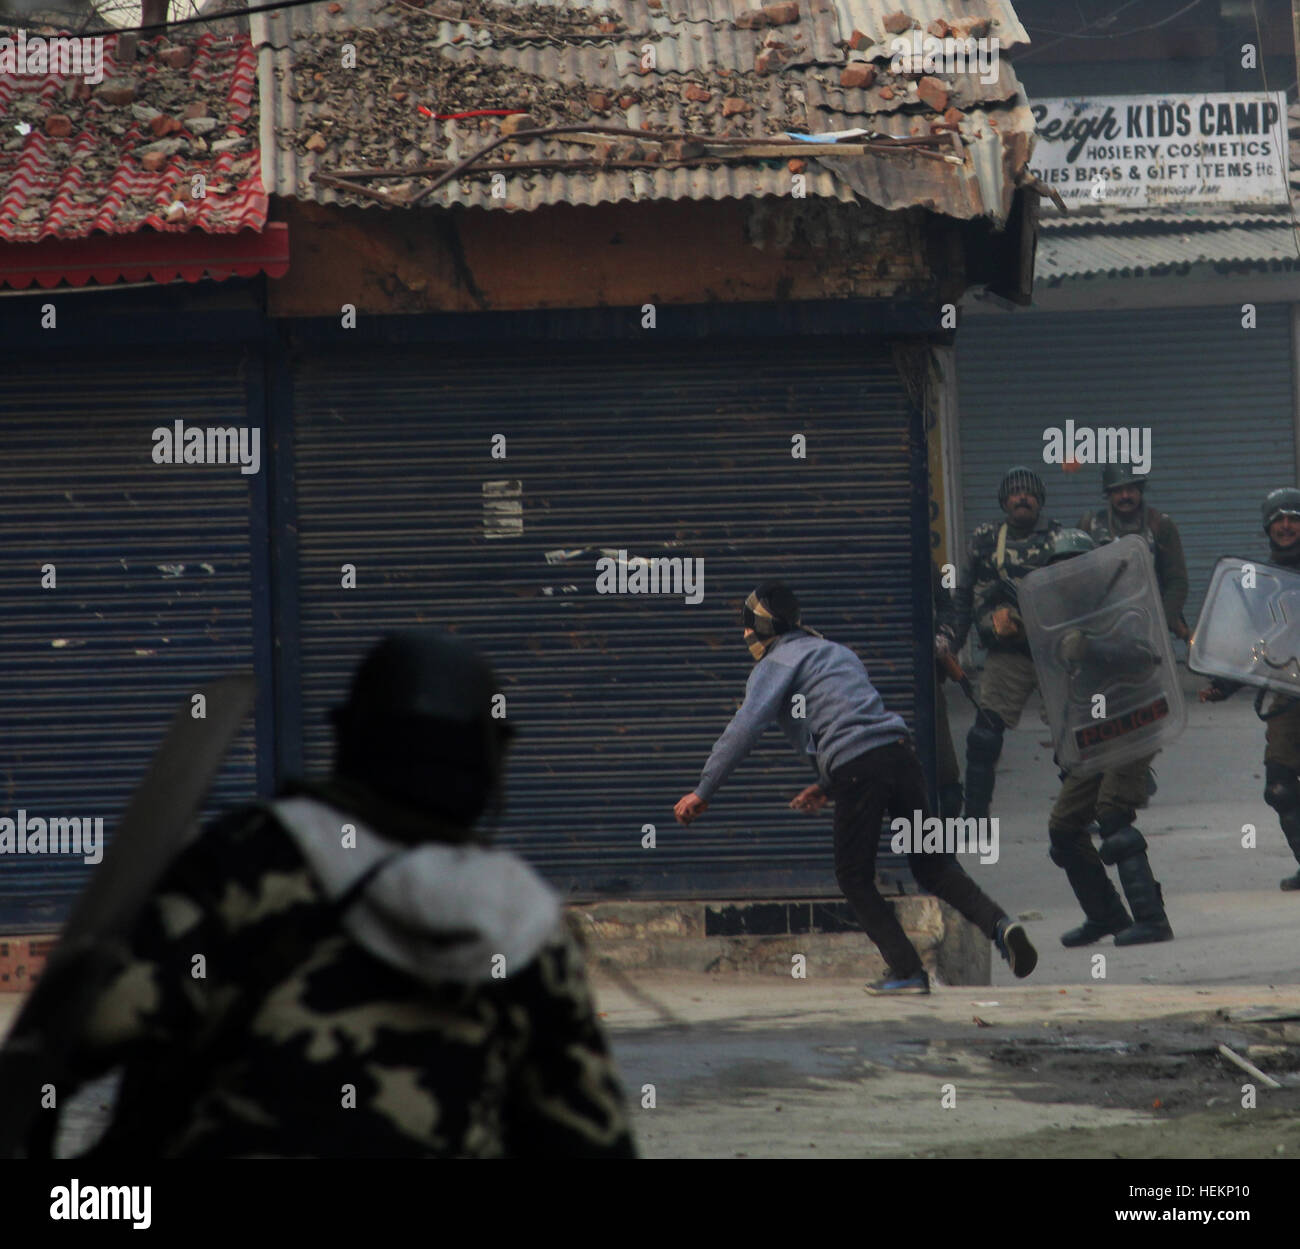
point(1102, 654)
point(1249, 626)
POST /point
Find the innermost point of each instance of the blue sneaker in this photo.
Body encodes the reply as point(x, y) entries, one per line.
point(1014, 945)
point(893, 986)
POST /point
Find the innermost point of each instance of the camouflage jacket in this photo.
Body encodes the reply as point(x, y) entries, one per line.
point(442, 1013)
point(988, 580)
point(1166, 546)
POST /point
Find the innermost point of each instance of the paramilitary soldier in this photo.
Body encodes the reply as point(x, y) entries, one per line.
point(1281, 516)
point(865, 763)
point(1126, 512)
point(378, 982)
point(999, 554)
point(1112, 798)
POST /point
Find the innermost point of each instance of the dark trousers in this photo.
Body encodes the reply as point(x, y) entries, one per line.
point(889, 779)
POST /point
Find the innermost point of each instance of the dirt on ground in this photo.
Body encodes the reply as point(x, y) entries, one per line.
point(751, 1067)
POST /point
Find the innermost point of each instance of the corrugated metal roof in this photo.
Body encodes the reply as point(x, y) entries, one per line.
point(1180, 217)
point(320, 118)
point(72, 162)
point(839, 18)
point(1158, 252)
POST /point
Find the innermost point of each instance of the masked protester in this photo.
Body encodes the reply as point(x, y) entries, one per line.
point(865, 763)
point(999, 555)
point(377, 981)
point(1281, 516)
point(1111, 798)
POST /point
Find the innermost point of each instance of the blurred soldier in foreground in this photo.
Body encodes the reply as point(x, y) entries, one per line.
point(1281, 517)
point(1111, 797)
point(351, 971)
point(998, 556)
point(865, 763)
point(1126, 512)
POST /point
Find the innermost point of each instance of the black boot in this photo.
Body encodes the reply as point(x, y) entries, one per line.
point(1104, 913)
point(1127, 849)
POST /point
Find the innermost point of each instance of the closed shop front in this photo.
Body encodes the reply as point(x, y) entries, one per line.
point(126, 585)
point(478, 491)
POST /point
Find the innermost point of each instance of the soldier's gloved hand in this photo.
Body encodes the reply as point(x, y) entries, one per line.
point(1007, 623)
point(942, 644)
point(1180, 630)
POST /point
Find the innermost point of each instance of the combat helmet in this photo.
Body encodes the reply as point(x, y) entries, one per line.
point(1281, 502)
point(1018, 479)
point(1115, 475)
point(1067, 543)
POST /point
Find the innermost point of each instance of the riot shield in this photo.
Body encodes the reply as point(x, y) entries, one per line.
point(1249, 626)
point(1102, 654)
point(152, 832)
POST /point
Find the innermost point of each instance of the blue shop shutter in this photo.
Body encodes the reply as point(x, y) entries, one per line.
point(152, 596)
point(679, 452)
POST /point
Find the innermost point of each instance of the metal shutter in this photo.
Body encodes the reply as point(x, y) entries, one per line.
point(617, 700)
point(1217, 398)
point(152, 598)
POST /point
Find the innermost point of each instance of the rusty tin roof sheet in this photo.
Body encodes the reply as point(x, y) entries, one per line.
point(675, 65)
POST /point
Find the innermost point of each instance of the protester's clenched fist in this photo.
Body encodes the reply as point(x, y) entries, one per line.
point(689, 807)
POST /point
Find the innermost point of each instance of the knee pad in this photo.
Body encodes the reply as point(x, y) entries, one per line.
point(1110, 822)
point(1281, 788)
point(1122, 845)
point(984, 741)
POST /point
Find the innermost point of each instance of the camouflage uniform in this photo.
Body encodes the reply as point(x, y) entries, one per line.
point(997, 557)
point(302, 1040)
